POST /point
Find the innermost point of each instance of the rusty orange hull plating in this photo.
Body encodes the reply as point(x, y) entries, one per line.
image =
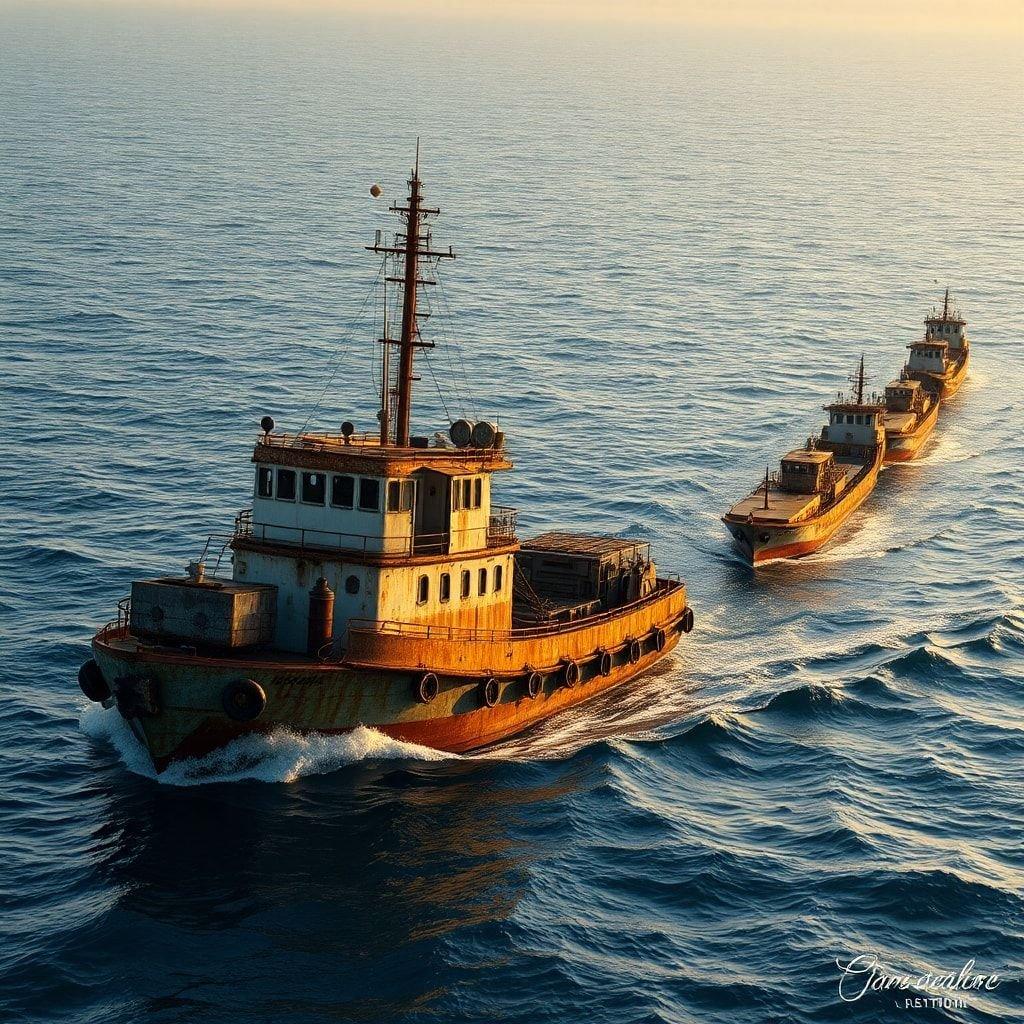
point(312, 697)
point(769, 542)
point(904, 447)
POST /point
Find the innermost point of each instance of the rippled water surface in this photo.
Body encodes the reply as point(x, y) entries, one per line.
point(671, 250)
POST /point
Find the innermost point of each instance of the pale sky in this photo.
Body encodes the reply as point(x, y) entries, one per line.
point(905, 17)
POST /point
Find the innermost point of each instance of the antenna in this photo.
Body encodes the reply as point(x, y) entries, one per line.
point(385, 372)
point(857, 380)
point(408, 245)
point(767, 469)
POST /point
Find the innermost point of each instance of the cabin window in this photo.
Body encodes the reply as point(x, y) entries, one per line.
point(423, 590)
point(467, 493)
point(445, 589)
point(860, 419)
point(465, 582)
point(869, 420)
point(478, 492)
point(482, 582)
point(343, 490)
point(286, 484)
point(314, 488)
point(369, 494)
point(849, 418)
point(400, 495)
point(456, 495)
point(498, 574)
point(351, 584)
point(265, 482)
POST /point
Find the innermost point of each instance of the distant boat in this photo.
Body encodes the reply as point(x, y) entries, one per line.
point(939, 361)
point(374, 583)
point(911, 411)
point(817, 488)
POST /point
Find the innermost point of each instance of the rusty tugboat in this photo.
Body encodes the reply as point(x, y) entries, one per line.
point(373, 583)
point(911, 411)
point(818, 487)
point(940, 360)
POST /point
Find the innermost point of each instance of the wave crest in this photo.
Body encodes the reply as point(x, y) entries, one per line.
point(279, 756)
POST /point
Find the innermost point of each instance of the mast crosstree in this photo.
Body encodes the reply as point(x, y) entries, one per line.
point(413, 246)
point(858, 380)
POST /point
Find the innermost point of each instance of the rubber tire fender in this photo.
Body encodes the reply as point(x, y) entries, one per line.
point(534, 684)
point(92, 683)
point(243, 700)
point(687, 620)
point(490, 691)
point(604, 663)
point(570, 673)
point(427, 687)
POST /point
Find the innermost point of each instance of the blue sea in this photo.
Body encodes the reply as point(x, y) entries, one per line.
point(672, 247)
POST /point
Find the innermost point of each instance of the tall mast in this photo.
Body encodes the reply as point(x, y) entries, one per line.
point(945, 306)
point(409, 329)
point(413, 245)
point(767, 470)
point(385, 379)
point(860, 382)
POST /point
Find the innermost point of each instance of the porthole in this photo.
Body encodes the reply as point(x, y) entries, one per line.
point(352, 584)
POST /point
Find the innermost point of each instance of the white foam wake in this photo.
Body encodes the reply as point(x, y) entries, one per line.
point(281, 756)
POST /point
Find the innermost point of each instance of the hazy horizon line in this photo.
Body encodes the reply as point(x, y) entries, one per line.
point(897, 17)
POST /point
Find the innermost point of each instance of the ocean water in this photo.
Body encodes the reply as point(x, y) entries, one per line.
point(672, 248)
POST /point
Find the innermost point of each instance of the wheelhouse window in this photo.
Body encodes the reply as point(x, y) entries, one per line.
point(369, 494)
point(343, 489)
point(286, 485)
point(482, 582)
point(456, 495)
point(422, 590)
point(499, 573)
point(465, 582)
point(265, 482)
point(314, 488)
point(445, 589)
point(467, 493)
point(400, 495)
point(478, 492)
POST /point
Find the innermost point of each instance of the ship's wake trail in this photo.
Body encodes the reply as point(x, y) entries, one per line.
point(280, 756)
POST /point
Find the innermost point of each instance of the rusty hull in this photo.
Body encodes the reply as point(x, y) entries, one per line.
point(307, 696)
point(766, 542)
point(903, 447)
point(947, 384)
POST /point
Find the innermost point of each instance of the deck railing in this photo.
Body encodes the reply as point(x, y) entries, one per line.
point(369, 443)
point(664, 586)
point(499, 531)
